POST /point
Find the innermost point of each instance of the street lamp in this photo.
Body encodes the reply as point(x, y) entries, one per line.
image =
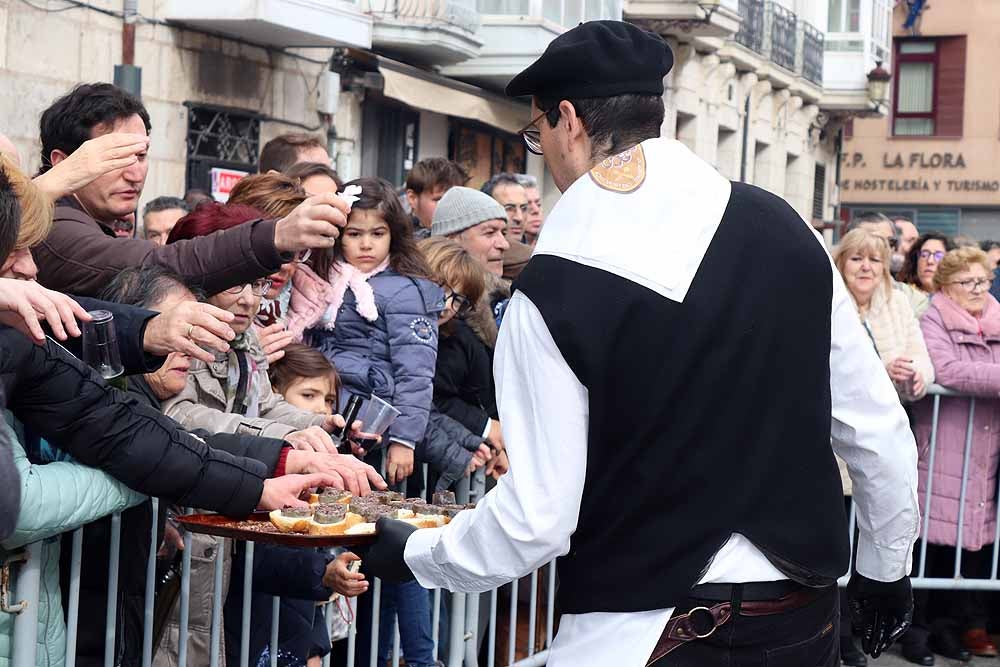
point(878, 84)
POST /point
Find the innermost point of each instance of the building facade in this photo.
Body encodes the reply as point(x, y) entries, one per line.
point(934, 157)
point(762, 89)
point(385, 82)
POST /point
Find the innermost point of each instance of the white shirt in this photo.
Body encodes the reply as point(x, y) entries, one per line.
point(531, 515)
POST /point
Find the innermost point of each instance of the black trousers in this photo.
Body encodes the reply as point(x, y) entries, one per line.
point(805, 637)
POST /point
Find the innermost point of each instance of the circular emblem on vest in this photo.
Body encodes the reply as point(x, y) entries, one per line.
point(622, 173)
point(422, 330)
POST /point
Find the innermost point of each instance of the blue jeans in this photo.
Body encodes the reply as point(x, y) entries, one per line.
point(412, 605)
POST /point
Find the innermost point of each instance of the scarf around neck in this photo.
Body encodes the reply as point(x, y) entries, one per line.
point(344, 275)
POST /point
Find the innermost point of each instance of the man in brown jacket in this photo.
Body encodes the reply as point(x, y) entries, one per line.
point(82, 254)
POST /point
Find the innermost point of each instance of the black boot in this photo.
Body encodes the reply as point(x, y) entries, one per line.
point(914, 647)
point(946, 642)
point(850, 654)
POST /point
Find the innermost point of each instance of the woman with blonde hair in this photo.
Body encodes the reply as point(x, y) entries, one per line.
point(863, 260)
point(36, 222)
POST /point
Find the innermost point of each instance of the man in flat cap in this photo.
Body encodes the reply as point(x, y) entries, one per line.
point(667, 370)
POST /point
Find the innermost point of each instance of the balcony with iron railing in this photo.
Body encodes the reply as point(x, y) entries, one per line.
point(773, 32)
point(434, 32)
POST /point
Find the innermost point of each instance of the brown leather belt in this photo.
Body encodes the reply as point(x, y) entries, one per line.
point(702, 622)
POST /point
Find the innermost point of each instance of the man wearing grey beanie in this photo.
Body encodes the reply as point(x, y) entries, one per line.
point(475, 221)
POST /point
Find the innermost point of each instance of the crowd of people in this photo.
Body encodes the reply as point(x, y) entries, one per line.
point(927, 302)
point(244, 327)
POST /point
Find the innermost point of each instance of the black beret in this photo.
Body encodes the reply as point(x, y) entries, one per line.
point(597, 59)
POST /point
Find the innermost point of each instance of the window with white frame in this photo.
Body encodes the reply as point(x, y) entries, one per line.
point(845, 16)
point(914, 111)
point(566, 13)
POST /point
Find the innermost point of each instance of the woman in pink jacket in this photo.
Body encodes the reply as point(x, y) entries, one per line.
point(962, 331)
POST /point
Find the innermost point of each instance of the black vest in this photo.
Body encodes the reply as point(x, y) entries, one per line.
point(707, 417)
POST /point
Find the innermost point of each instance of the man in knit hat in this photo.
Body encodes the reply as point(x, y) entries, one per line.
point(476, 222)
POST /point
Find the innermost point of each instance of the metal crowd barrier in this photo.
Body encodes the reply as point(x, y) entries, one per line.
point(463, 640)
point(464, 632)
point(957, 581)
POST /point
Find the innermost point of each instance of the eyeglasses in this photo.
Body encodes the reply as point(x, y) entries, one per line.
point(259, 287)
point(927, 254)
point(973, 284)
point(532, 135)
point(461, 303)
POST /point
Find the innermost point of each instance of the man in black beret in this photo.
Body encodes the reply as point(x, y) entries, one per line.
point(666, 374)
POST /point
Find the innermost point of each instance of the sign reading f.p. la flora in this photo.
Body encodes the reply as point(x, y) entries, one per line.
point(223, 182)
point(913, 160)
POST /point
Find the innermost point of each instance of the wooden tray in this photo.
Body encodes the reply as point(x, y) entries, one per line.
point(258, 528)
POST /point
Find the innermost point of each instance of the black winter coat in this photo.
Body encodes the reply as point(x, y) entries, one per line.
point(135, 543)
point(463, 379)
point(67, 403)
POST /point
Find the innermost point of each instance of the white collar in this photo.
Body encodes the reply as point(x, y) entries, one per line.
point(654, 230)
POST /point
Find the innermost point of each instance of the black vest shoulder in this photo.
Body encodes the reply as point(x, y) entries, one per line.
point(707, 417)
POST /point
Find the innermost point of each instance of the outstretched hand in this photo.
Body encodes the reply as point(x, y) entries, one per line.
point(24, 304)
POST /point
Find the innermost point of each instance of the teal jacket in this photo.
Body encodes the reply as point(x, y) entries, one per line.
point(55, 498)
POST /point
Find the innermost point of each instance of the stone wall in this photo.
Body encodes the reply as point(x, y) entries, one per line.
point(44, 54)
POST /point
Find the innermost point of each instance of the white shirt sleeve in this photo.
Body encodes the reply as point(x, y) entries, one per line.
point(872, 435)
point(527, 520)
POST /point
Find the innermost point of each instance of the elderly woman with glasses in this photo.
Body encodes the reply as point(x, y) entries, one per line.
point(233, 394)
point(916, 280)
point(962, 330)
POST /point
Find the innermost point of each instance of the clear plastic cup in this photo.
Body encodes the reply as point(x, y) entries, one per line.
point(377, 416)
point(100, 345)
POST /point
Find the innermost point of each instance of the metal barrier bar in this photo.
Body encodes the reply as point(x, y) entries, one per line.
point(532, 612)
point(456, 640)
point(930, 486)
point(245, 621)
point(185, 610)
point(512, 639)
point(73, 608)
point(28, 590)
point(148, 600)
point(376, 605)
point(215, 638)
point(491, 647)
point(471, 635)
point(111, 616)
point(352, 630)
point(550, 620)
point(965, 484)
point(275, 613)
point(435, 619)
point(537, 660)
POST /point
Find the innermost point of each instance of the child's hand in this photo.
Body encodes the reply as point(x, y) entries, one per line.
point(479, 458)
point(340, 578)
point(399, 465)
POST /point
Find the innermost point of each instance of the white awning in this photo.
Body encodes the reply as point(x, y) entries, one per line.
point(451, 98)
